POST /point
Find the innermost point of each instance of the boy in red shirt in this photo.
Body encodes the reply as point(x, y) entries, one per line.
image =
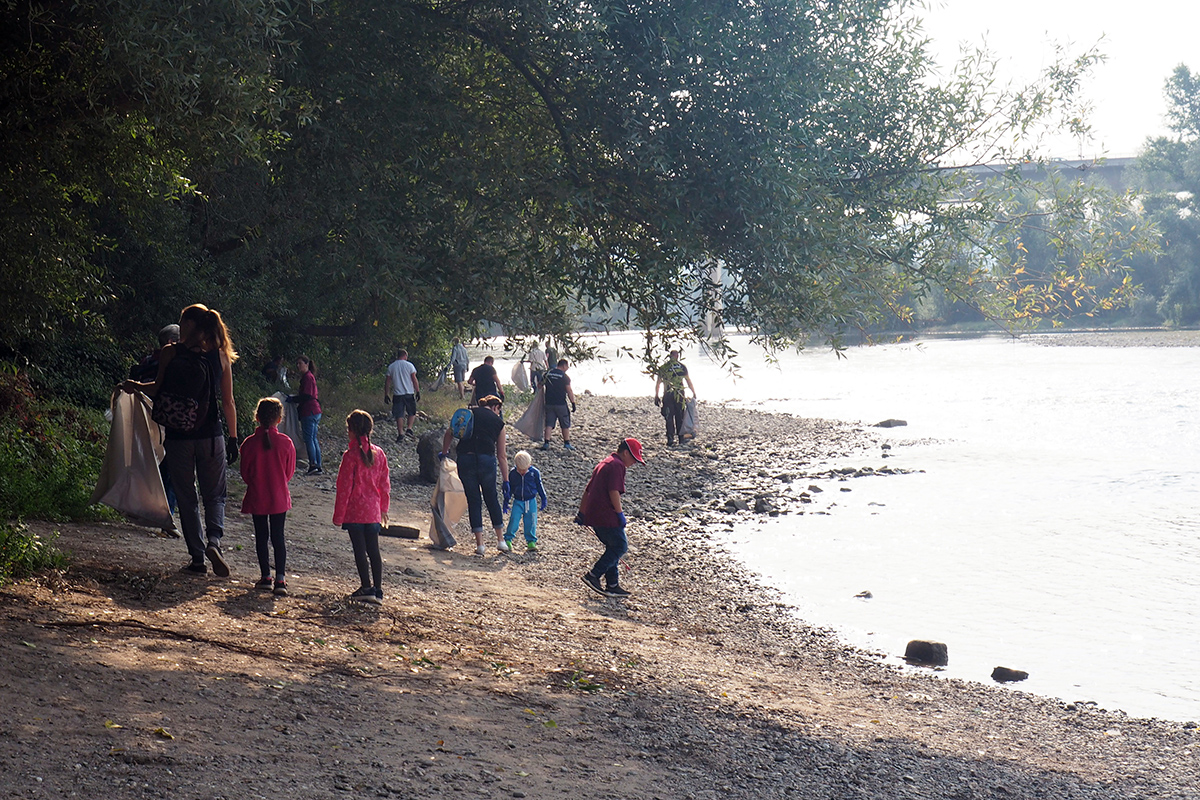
point(600, 509)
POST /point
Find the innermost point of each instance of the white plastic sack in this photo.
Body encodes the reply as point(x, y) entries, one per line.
point(129, 478)
point(289, 426)
point(449, 502)
point(690, 426)
point(520, 378)
point(533, 422)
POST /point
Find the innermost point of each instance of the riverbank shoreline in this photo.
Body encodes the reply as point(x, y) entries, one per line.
point(506, 675)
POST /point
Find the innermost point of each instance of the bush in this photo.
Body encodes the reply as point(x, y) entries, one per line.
point(23, 553)
point(50, 456)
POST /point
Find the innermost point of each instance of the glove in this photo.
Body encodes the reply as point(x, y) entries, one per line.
point(417, 397)
point(621, 518)
point(504, 508)
point(657, 401)
point(579, 520)
point(293, 398)
point(572, 406)
point(231, 449)
point(387, 399)
point(542, 505)
point(507, 489)
point(442, 456)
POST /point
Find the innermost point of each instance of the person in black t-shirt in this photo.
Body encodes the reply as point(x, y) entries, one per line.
point(671, 377)
point(558, 391)
point(478, 457)
point(485, 381)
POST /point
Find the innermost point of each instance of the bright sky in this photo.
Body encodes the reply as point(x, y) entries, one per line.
point(1144, 41)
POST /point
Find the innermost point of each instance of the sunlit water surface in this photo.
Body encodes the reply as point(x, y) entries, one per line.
point(1054, 525)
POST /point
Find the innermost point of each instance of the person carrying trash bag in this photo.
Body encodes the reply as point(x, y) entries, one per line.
point(481, 448)
point(193, 387)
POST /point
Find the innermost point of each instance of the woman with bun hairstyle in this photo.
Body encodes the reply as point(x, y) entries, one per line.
point(198, 452)
point(364, 491)
point(268, 463)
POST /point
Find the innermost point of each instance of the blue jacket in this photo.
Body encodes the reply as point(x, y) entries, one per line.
point(527, 486)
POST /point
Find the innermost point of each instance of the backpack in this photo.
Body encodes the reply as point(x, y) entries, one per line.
point(462, 424)
point(185, 395)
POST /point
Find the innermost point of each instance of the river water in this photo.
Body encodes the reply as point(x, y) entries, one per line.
point(1052, 523)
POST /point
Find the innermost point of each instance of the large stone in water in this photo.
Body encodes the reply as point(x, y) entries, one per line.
point(1006, 675)
point(920, 651)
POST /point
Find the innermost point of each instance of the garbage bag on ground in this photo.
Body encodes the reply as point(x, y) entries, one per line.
point(449, 502)
point(129, 478)
point(533, 422)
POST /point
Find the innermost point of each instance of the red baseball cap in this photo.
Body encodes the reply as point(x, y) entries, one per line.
point(635, 449)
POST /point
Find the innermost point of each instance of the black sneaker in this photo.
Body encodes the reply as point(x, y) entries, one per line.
point(266, 583)
point(379, 596)
point(594, 582)
point(315, 471)
point(199, 568)
point(220, 568)
point(364, 594)
point(616, 591)
point(280, 589)
point(409, 433)
point(399, 438)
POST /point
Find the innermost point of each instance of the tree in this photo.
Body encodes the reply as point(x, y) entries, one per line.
point(1170, 179)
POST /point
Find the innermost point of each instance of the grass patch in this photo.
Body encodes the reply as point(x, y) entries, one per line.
point(23, 553)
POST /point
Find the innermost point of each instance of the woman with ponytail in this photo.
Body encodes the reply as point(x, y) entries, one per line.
point(364, 492)
point(268, 463)
point(196, 390)
point(309, 412)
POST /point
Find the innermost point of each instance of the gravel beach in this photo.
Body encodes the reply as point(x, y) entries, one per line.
point(504, 676)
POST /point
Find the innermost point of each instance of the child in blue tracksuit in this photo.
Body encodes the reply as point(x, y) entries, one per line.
point(525, 484)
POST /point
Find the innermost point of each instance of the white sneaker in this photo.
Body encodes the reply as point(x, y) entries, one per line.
point(503, 547)
point(481, 550)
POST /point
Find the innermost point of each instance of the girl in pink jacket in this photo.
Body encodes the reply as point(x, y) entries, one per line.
point(268, 463)
point(364, 490)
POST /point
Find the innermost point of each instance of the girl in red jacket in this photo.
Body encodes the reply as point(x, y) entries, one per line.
point(364, 490)
point(268, 463)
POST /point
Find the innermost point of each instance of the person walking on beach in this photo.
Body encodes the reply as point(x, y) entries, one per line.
point(193, 387)
point(364, 492)
point(525, 492)
point(601, 510)
point(402, 389)
point(479, 452)
point(268, 463)
point(671, 377)
point(485, 381)
point(538, 366)
point(308, 411)
point(558, 391)
point(459, 362)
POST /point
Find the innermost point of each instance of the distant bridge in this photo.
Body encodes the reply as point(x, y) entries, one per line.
point(1111, 171)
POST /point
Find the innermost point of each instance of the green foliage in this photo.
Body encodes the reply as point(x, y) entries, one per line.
point(23, 553)
point(50, 455)
point(1169, 178)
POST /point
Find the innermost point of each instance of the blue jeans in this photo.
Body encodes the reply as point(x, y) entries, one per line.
point(526, 509)
point(615, 545)
point(478, 475)
point(308, 430)
point(192, 461)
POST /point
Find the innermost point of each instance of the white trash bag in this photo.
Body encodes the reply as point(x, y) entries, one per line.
point(289, 426)
point(129, 478)
point(533, 422)
point(449, 502)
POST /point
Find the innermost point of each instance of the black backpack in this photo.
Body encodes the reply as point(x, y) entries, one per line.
point(185, 395)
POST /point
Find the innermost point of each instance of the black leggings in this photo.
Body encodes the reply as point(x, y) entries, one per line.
point(364, 538)
point(270, 527)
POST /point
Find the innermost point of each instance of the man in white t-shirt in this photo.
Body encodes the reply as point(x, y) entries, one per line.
point(402, 389)
point(537, 365)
